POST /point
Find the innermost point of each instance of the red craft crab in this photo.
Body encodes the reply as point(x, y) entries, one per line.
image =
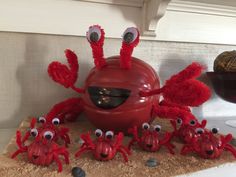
point(186, 132)
point(182, 120)
point(105, 147)
point(53, 126)
point(150, 139)
point(209, 146)
point(43, 150)
point(111, 93)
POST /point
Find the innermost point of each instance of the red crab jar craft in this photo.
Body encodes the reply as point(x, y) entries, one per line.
point(110, 96)
point(122, 91)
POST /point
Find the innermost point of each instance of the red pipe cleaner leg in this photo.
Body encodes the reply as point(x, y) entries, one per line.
point(70, 106)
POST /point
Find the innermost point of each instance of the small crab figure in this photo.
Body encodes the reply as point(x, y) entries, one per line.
point(209, 146)
point(105, 147)
point(43, 150)
point(150, 138)
point(186, 132)
point(53, 126)
point(182, 120)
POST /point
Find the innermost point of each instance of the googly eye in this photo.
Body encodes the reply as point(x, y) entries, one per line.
point(215, 130)
point(98, 133)
point(130, 35)
point(157, 128)
point(109, 134)
point(179, 121)
point(192, 122)
point(34, 132)
point(94, 33)
point(199, 130)
point(146, 126)
point(56, 121)
point(48, 135)
point(41, 120)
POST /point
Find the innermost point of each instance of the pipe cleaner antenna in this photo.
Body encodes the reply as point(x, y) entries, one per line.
point(95, 36)
point(27, 134)
point(130, 40)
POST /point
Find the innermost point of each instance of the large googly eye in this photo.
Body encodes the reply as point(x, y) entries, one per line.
point(130, 35)
point(41, 120)
point(192, 122)
point(157, 128)
point(94, 34)
point(55, 121)
point(179, 121)
point(215, 130)
point(109, 134)
point(48, 135)
point(34, 132)
point(98, 133)
point(199, 130)
point(146, 126)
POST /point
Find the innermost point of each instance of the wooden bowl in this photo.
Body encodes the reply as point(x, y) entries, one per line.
point(224, 85)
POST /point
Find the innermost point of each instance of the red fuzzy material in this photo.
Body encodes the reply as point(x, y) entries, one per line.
point(173, 113)
point(68, 109)
point(63, 74)
point(165, 103)
point(33, 122)
point(97, 49)
point(126, 53)
point(189, 93)
point(183, 88)
point(192, 71)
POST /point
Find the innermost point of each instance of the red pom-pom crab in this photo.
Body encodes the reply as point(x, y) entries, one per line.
point(105, 146)
point(182, 120)
point(111, 93)
point(54, 126)
point(150, 138)
point(186, 132)
point(207, 145)
point(43, 150)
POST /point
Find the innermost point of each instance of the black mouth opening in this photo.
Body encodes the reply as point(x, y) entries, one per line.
point(209, 152)
point(149, 145)
point(35, 157)
point(108, 98)
point(104, 155)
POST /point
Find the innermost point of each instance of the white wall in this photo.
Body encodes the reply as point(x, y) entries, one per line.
point(185, 20)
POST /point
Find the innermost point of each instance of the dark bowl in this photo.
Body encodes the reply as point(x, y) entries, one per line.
point(224, 85)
